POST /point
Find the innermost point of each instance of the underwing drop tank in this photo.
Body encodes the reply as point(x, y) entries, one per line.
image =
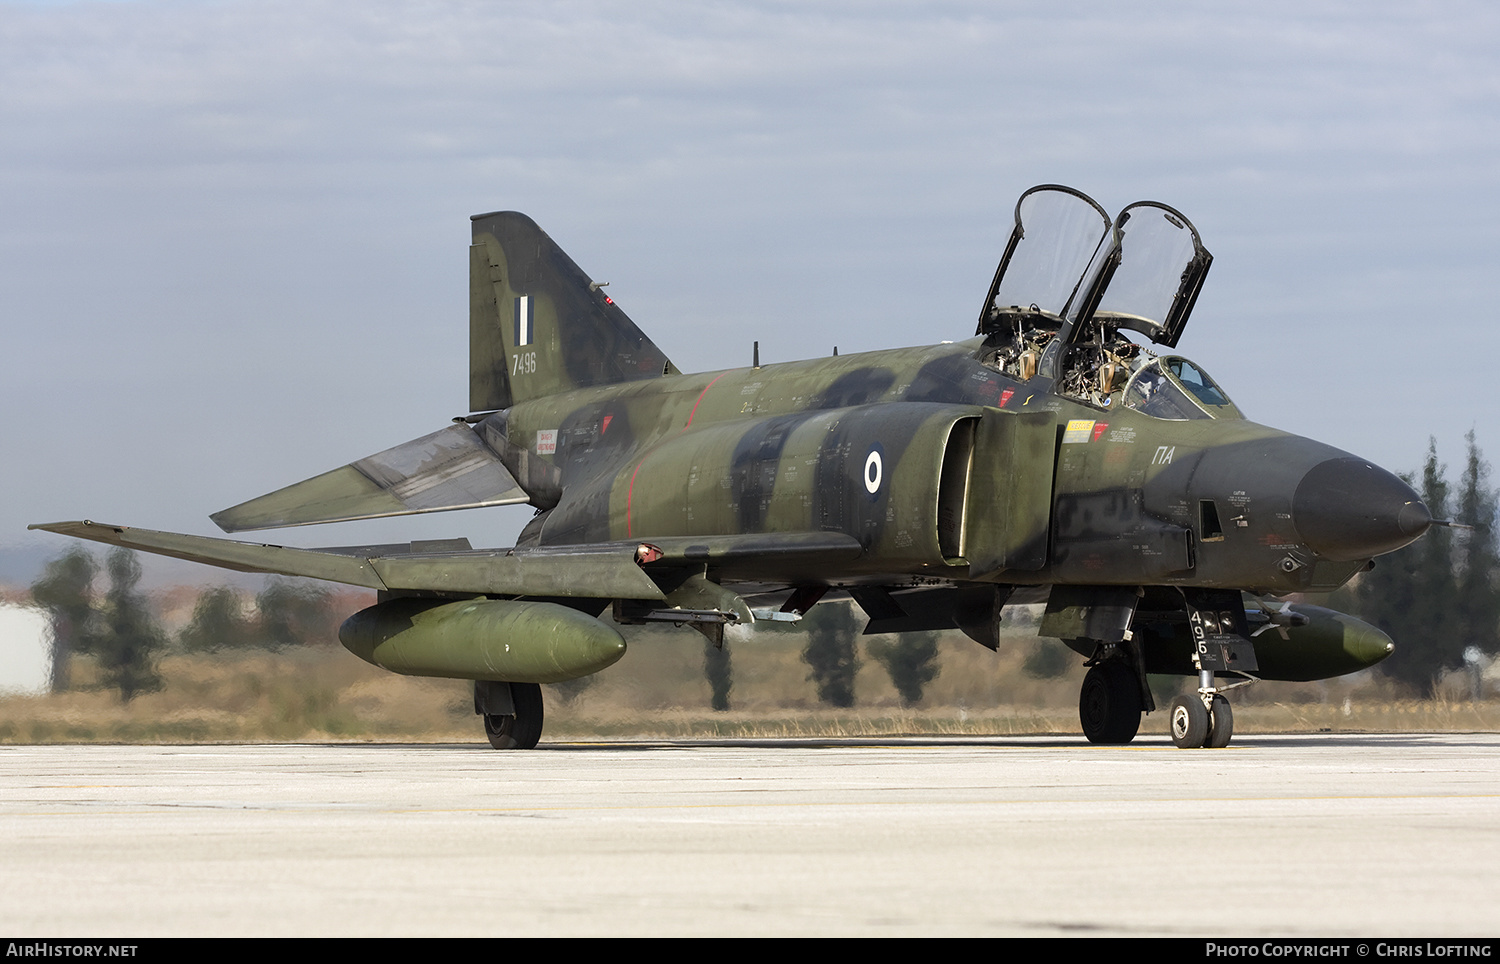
point(1300, 643)
point(482, 639)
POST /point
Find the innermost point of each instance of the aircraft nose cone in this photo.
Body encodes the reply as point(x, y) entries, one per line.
point(1347, 509)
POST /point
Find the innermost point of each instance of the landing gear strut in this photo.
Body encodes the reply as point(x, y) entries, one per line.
point(512, 713)
point(1221, 643)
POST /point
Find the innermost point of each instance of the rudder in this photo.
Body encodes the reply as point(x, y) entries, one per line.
point(538, 325)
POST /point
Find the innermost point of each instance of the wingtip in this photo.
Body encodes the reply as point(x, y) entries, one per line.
point(67, 528)
point(218, 519)
point(58, 526)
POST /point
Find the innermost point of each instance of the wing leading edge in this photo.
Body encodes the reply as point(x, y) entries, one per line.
point(617, 570)
point(585, 574)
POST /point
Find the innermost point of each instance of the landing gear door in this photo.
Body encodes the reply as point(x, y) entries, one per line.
point(1047, 263)
point(1009, 510)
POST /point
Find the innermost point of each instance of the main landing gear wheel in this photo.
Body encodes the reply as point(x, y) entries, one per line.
point(1189, 721)
point(1109, 703)
point(524, 729)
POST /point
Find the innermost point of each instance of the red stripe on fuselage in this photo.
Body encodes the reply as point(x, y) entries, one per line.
point(700, 399)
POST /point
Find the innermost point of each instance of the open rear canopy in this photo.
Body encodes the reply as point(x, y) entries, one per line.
point(1159, 268)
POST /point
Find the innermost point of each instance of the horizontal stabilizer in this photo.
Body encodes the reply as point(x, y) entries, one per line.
point(449, 469)
point(585, 573)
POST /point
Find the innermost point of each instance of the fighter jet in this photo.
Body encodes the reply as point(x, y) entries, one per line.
point(1065, 453)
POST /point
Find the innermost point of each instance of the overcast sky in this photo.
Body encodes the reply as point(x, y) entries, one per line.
point(233, 234)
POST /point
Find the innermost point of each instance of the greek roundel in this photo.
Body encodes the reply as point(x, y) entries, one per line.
point(873, 473)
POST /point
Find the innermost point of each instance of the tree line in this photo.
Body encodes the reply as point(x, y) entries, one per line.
point(833, 659)
point(1438, 598)
point(120, 632)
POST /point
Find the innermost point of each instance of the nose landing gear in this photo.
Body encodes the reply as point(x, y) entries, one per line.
point(1204, 718)
point(1221, 643)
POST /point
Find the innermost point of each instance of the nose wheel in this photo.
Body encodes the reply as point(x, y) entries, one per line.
point(1196, 724)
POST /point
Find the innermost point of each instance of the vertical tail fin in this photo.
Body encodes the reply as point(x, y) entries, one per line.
point(538, 325)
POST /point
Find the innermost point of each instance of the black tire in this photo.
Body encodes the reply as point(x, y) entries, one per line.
point(522, 731)
point(1220, 724)
point(1189, 721)
point(1109, 703)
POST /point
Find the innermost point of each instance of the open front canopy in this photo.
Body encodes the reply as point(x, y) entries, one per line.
point(1057, 233)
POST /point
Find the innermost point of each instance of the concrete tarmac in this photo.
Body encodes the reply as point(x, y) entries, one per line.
point(1287, 836)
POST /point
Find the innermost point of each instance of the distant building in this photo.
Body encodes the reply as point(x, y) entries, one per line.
point(25, 650)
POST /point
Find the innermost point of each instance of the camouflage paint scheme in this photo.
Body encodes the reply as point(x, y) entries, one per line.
point(1048, 455)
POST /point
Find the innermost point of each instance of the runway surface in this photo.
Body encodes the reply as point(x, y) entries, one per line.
point(1380, 835)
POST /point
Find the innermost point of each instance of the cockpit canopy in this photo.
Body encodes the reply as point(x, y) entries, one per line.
point(1057, 234)
point(1071, 281)
point(1068, 263)
point(1175, 388)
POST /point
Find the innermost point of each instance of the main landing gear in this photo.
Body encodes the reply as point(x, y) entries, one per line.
point(512, 713)
point(1109, 704)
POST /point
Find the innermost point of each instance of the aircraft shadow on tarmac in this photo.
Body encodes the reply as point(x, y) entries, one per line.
point(1069, 743)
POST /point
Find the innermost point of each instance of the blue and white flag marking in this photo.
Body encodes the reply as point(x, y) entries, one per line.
point(523, 320)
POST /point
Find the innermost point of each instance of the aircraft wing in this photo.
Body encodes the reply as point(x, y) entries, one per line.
point(614, 570)
point(609, 571)
point(449, 469)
